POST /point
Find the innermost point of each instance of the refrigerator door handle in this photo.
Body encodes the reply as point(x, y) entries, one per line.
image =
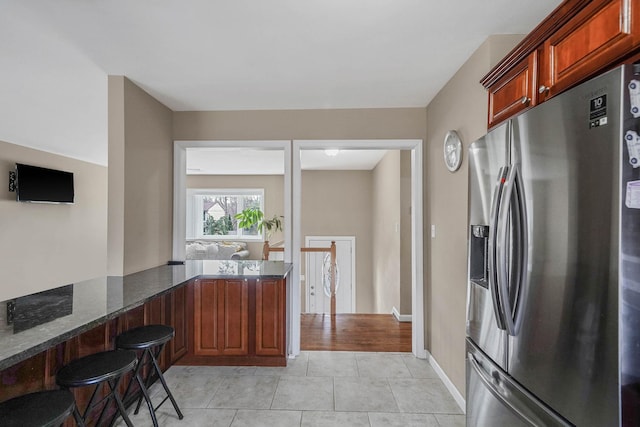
point(494, 288)
point(512, 269)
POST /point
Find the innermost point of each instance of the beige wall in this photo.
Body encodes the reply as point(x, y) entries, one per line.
point(374, 123)
point(460, 105)
point(140, 179)
point(405, 233)
point(273, 186)
point(43, 245)
point(385, 210)
point(338, 203)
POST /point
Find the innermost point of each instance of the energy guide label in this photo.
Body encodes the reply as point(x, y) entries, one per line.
point(634, 97)
point(633, 145)
point(632, 200)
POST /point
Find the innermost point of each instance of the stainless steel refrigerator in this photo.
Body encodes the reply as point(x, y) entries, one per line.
point(553, 309)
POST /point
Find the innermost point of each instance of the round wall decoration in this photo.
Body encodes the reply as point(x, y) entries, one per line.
point(452, 151)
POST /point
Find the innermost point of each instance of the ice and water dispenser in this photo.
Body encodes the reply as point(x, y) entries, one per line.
point(478, 253)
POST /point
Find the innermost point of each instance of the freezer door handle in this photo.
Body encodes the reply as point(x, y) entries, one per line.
point(497, 388)
point(512, 251)
point(511, 397)
point(493, 247)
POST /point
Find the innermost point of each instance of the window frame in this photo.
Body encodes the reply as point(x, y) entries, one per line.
point(195, 223)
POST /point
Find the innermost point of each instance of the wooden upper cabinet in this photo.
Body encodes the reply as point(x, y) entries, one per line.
point(514, 92)
point(603, 32)
point(579, 40)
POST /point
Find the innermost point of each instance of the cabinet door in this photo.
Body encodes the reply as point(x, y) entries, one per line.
point(270, 317)
point(178, 321)
point(205, 325)
point(233, 317)
point(514, 92)
point(602, 33)
point(221, 317)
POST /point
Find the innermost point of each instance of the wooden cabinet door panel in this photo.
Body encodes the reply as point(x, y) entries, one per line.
point(514, 92)
point(205, 327)
point(154, 311)
point(603, 32)
point(270, 312)
point(233, 326)
point(178, 320)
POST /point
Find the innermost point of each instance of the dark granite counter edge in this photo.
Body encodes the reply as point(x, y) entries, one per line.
point(32, 351)
point(44, 345)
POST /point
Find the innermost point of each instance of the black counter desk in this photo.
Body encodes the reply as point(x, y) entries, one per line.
point(49, 318)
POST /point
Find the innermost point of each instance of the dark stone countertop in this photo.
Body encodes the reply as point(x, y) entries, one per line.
point(33, 323)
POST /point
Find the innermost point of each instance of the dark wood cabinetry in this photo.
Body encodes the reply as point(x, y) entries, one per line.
point(515, 91)
point(176, 317)
point(238, 322)
point(576, 42)
point(270, 321)
point(221, 317)
point(600, 34)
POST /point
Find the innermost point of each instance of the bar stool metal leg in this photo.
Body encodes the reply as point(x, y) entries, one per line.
point(145, 394)
point(154, 360)
point(149, 341)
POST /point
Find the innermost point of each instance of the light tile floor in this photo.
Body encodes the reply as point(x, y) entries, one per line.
point(316, 389)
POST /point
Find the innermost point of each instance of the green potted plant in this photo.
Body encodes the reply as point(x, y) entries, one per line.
point(254, 216)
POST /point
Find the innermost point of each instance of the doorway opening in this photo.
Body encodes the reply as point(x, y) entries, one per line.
point(293, 236)
point(341, 212)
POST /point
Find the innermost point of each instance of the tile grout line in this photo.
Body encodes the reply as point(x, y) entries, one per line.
point(274, 393)
point(395, 399)
point(333, 380)
point(213, 395)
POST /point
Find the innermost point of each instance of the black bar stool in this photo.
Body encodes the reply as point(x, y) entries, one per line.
point(40, 409)
point(106, 366)
point(151, 339)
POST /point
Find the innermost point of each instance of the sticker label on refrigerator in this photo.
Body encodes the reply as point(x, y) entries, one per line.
point(634, 97)
point(632, 139)
point(598, 111)
point(633, 195)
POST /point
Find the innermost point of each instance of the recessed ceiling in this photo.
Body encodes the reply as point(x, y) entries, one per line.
point(249, 161)
point(231, 55)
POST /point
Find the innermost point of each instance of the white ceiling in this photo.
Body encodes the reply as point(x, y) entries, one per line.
point(230, 55)
point(249, 161)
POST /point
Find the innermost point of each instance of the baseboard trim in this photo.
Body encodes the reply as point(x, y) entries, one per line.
point(401, 317)
point(447, 382)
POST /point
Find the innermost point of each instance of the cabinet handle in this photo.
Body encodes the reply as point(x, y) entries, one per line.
point(525, 100)
point(543, 89)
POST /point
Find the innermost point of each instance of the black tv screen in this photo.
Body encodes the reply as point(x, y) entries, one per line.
point(42, 185)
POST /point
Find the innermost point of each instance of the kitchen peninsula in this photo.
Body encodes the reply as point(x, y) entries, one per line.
point(234, 311)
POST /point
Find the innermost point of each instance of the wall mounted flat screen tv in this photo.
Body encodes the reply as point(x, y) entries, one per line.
point(42, 185)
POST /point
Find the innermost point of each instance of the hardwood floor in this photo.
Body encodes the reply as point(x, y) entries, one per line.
point(354, 332)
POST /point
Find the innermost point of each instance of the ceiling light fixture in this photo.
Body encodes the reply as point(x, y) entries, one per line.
point(331, 152)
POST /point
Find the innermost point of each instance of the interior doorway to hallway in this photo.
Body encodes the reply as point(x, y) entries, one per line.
point(298, 303)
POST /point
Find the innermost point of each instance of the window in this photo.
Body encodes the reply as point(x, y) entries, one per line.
point(211, 213)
